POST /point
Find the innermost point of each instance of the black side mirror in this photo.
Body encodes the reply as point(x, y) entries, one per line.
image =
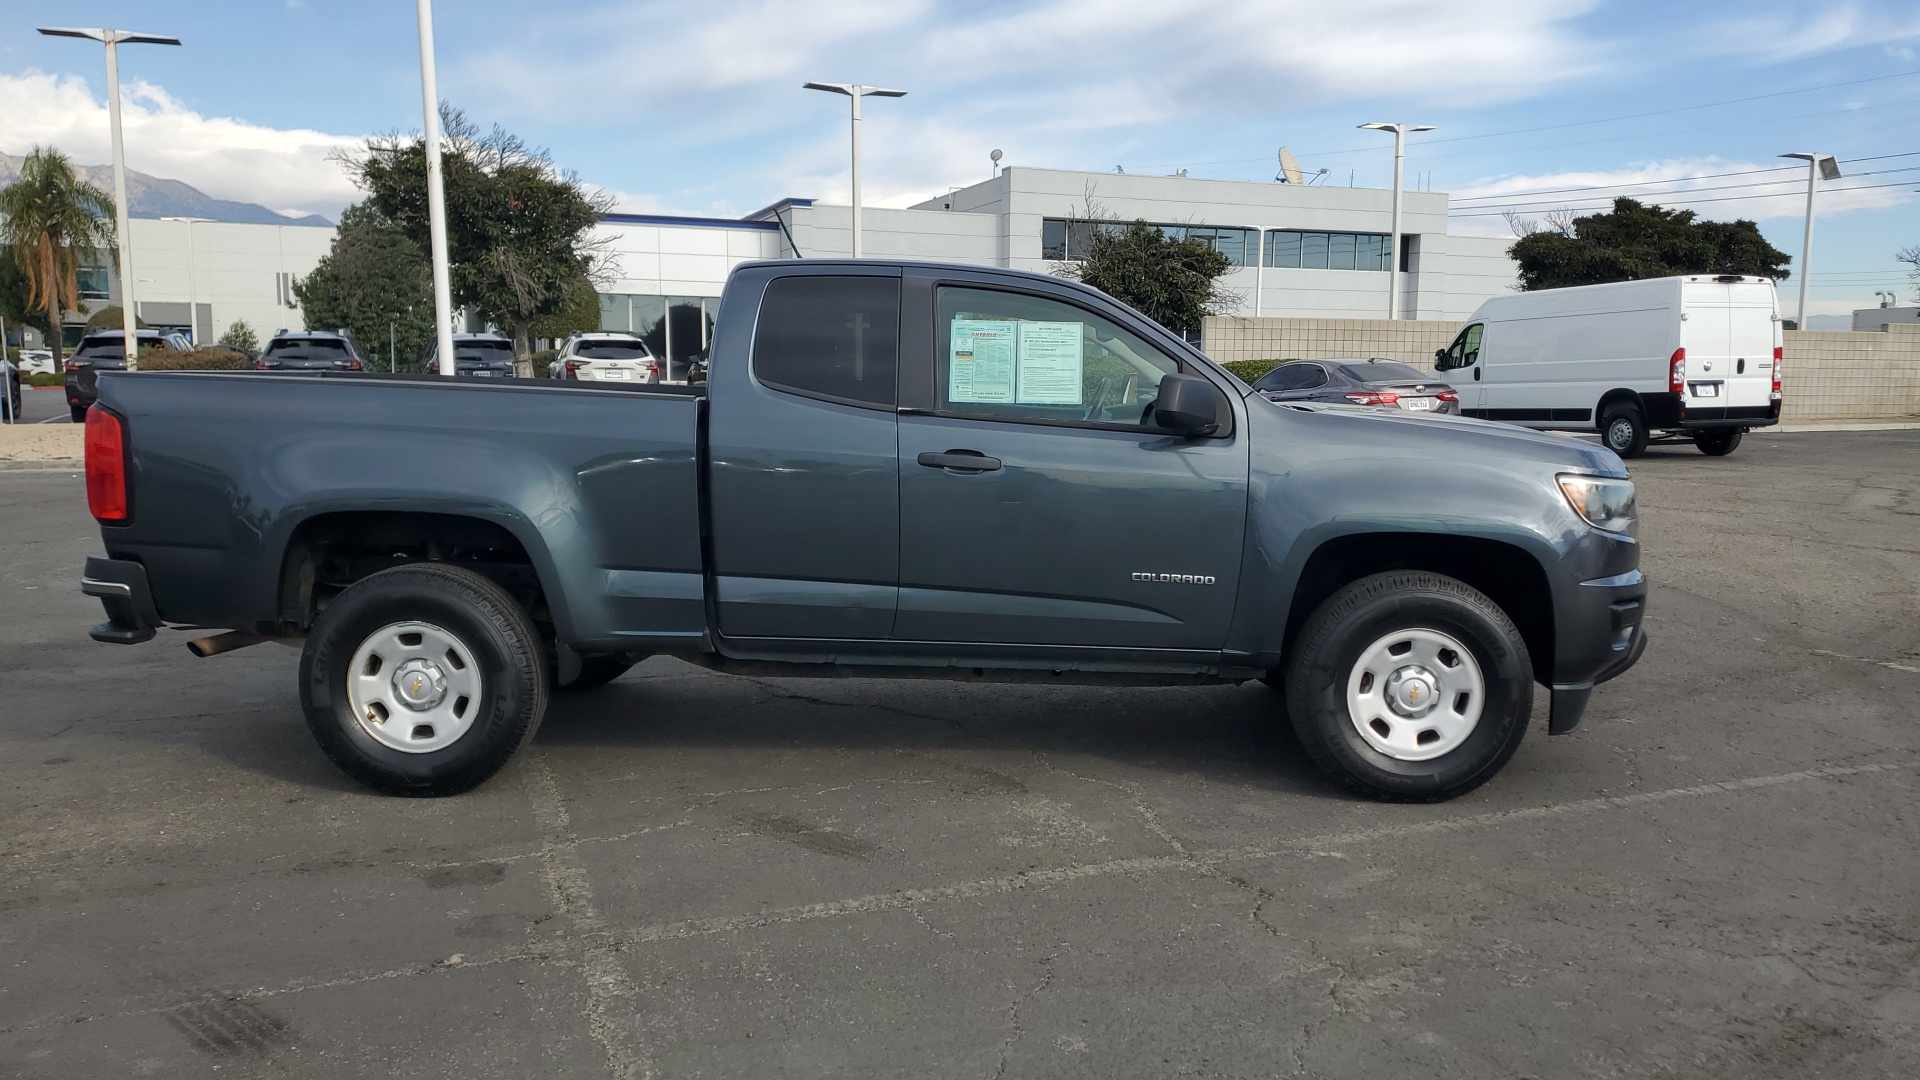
point(1440, 360)
point(1189, 405)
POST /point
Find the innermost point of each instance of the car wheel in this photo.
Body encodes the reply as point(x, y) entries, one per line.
point(1410, 687)
point(423, 680)
point(1717, 443)
point(595, 672)
point(1624, 430)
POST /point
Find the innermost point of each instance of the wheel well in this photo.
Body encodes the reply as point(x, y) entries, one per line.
point(1613, 397)
point(329, 552)
point(1509, 575)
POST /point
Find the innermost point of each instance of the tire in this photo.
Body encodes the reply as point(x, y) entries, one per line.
point(1718, 443)
point(1449, 627)
point(468, 634)
point(1623, 427)
point(596, 672)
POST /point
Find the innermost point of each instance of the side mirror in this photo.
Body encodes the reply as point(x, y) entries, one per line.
point(1189, 405)
point(1440, 360)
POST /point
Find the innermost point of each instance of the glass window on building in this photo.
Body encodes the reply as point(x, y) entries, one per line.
point(93, 283)
point(1283, 248)
point(1313, 250)
point(650, 322)
point(1326, 250)
point(1339, 251)
point(615, 313)
point(1066, 240)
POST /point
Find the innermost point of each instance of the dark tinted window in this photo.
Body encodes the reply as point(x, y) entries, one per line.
point(111, 346)
point(838, 337)
point(610, 350)
point(491, 351)
point(1271, 380)
point(308, 349)
point(1383, 371)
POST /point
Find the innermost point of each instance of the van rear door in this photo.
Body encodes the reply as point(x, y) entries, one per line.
point(1729, 333)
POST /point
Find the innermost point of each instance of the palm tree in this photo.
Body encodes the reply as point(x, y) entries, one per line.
point(51, 219)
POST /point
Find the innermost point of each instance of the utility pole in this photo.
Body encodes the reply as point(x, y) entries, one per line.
point(436, 196)
point(1819, 167)
point(1399, 163)
point(856, 92)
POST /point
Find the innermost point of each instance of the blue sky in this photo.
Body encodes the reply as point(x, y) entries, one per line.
point(697, 108)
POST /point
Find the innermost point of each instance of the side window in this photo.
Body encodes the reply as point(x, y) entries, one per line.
point(1311, 377)
point(1470, 345)
point(1013, 356)
point(830, 337)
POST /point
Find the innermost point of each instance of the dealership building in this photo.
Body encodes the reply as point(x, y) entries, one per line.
point(1295, 250)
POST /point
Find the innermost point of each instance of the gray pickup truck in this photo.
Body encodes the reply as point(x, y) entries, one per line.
point(895, 469)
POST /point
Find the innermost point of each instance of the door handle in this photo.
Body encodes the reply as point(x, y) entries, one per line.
point(1476, 374)
point(960, 461)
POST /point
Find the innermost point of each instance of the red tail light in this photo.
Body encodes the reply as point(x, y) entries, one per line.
point(71, 364)
point(1371, 398)
point(1677, 374)
point(573, 369)
point(106, 443)
point(1448, 395)
point(1776, 369)
point(355, 365)
point(653, 370)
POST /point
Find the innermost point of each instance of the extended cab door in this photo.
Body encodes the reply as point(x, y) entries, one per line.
point(803, 455)
point(1039, 504)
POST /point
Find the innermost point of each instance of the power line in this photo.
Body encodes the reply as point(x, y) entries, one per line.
point(1677, 197)
point(1675, 179)
point(1796, 180)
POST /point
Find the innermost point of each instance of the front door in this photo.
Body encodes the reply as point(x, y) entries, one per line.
point(1038, 502)
point(1464, 373)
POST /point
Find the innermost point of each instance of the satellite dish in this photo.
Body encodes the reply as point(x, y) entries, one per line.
point(1289, 167)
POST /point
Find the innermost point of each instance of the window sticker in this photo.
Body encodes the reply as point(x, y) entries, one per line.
point(1050, 357)
point(980, 366)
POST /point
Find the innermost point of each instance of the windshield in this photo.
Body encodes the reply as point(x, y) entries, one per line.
point(1385, 371)
point(492, 352)
point(308, 349)
point(611, 350)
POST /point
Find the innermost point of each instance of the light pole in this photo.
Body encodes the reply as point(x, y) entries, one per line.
point(1819, 167)
point(856, 92)
point(193, 291)
point(436, 196)
point(113, 39)
point(1393, 251)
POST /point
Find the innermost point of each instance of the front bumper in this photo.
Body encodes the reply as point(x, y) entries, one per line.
point(121, 586)
point(1599, 606)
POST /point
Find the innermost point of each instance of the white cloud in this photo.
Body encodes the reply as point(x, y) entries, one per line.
point(288, 170)
point(1759, 191)
point(1773, 37)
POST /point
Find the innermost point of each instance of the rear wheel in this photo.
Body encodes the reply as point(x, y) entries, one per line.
point(422, 680)
point(1718, 443)
point(1624, 429)
point(1410, 687)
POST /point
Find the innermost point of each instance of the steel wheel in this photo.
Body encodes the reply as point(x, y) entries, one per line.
point(414, 687)
point(1415, 694)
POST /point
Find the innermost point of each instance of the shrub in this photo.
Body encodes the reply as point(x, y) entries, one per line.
point(46, 378)
point(109, 318)
point(1249, 370)
point(212, 358)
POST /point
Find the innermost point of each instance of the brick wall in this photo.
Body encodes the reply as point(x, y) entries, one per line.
point(1870, 375)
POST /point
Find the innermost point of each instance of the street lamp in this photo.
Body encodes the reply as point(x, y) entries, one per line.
point(193, 291)
point(856, 92)
point(1819, 167)
point(436, 196)
point(113, 39)
point(1399, 162)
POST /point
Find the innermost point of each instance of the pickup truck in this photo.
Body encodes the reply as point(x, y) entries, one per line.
point(894, 470)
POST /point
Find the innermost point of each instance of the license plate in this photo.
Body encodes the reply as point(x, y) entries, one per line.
point(1417, 404)
point(613, 374)
point(1706, 389)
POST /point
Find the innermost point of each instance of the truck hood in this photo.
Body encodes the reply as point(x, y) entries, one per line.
point(1493, 438)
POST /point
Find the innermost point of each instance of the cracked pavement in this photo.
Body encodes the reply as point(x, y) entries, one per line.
point(697, 875)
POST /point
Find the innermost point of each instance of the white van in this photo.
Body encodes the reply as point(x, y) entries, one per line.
point(1694, 358)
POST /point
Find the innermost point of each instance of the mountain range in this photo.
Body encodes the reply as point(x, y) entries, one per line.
point(152, 197)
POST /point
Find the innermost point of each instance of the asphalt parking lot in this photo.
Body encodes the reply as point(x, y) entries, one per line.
point(696, 875)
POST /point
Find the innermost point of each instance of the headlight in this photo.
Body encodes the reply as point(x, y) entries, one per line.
point(1605, 502)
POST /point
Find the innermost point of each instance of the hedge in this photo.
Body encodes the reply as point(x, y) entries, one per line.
point(212, 358)
point(46, 378)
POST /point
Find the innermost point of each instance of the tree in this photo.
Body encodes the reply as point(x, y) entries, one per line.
point(16, 298)
point(109, 318)
point(1635, 241)
point(375, 278)
point(579, 312)
point(50, 220)
point(1173, 282)
point(1911, 256)
point(240, 336)
point(518, 230)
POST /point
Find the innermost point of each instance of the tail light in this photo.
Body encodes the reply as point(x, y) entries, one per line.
point(106, 444)
point(352, 365)
point(75, 364)
point(1677, 373)
point(1372, 398)
point(1448, 395)
point(653, 370)
point(573, 369)
point(1776, 369)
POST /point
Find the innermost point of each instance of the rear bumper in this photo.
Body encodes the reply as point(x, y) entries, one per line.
point(122, 589)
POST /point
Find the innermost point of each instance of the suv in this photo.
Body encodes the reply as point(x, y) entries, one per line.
point(484, 355)
point(606, 357)
point(106, 350)
point(310, 350)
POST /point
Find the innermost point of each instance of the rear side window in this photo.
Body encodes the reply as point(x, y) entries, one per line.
point(831, 337)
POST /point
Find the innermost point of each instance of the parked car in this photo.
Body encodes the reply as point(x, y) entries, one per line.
point(310, 350)
point(106, 350)
point(36, 362)
point(1385, 384)
point(10, 386)
point(478, 355)
point(1694, 358)
point(606, 357)
point(895, 469)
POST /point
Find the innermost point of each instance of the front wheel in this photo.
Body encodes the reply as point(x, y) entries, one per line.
point(1410, 687)
point(1718, 443)
point(423, 680)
